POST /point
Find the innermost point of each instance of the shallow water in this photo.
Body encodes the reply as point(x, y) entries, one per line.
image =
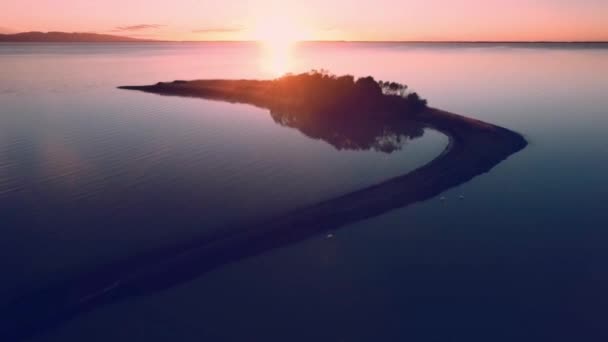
point(521, 257)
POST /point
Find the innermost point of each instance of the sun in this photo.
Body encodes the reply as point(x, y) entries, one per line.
point(279, 31)
point(278, 36)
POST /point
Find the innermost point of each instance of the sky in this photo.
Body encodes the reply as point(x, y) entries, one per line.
point(386, 20)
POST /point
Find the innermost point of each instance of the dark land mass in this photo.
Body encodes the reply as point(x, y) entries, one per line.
point(66, 37)
point(349, 114)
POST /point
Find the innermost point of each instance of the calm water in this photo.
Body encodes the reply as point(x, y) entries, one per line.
point(90, 174)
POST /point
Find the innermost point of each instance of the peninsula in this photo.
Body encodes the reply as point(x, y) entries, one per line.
point(345, 112)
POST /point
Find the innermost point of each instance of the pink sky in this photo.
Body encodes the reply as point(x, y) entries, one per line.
point(316, 19)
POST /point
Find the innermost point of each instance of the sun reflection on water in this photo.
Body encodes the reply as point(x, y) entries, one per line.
point(277, 57)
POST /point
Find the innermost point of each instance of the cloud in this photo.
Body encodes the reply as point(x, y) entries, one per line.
point(139, 27)
point(219, 29)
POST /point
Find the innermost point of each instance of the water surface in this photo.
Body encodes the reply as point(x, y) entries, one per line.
point(521, 257)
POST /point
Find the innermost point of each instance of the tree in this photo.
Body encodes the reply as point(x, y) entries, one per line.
point(368, 86)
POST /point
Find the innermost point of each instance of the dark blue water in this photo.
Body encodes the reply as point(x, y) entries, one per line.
point(521, 257)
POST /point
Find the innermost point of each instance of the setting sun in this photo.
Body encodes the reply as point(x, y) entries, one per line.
point(279, 31)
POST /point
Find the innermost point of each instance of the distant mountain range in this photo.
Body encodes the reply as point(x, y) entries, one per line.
point(66, 37)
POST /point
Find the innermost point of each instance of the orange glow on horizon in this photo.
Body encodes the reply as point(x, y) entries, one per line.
point(280, 31)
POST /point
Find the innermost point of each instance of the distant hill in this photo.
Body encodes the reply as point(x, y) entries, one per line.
point(66, 37)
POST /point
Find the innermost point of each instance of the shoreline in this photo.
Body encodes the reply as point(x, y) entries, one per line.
point(474, 148)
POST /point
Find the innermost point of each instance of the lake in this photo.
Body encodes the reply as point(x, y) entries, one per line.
point(90, 175)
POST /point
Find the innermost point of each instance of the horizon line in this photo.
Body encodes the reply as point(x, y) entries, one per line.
point(152, 40)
